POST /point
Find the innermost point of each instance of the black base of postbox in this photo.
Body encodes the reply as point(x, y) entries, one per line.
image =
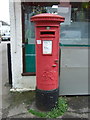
point(46, 100)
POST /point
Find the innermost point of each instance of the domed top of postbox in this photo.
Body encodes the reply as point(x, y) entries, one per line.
point(47, 17)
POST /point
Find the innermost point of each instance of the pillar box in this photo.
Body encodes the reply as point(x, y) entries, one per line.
point(47, 33)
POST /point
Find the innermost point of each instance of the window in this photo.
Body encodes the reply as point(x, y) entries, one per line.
point(75, 28)
point(76, 32)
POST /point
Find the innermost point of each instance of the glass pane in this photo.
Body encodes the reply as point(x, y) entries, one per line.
point(75, 28)
point(29, 26)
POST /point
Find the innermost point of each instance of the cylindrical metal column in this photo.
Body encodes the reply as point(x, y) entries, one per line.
point(47, 28)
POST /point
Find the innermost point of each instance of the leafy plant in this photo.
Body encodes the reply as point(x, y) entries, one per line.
point(59, 110)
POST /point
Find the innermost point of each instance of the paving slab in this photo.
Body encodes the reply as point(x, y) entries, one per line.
point(20, 109)
point(17, 110)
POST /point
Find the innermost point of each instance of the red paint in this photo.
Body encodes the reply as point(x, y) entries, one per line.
point(47, 27)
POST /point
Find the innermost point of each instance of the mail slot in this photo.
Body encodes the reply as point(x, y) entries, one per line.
point(47, 28)
point(47, 33)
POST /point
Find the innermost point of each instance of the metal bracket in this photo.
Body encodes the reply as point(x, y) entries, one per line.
point(23, 45)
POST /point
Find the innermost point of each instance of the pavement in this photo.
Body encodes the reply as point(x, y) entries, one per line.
point(16, 104)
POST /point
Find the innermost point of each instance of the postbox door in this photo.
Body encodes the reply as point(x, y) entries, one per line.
point(47, 49)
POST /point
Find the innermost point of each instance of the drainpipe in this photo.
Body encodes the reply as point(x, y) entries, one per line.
point(15, 32)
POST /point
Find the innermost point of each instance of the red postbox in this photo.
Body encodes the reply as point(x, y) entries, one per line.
point(47, 32)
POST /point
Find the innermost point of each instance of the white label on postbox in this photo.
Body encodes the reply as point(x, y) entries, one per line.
point(38, 41)
point(47, 46)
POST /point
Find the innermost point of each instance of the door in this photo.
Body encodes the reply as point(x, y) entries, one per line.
point(28, 43)
point(47, 48)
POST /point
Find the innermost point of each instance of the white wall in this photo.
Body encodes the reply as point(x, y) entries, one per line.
point(19, 81)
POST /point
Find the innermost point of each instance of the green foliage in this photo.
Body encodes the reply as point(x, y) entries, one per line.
point(59, 110)
point(85, 4)
point(37, 113)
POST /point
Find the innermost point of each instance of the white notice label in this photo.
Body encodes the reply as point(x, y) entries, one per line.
point(47, 46)
point(38, 41)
